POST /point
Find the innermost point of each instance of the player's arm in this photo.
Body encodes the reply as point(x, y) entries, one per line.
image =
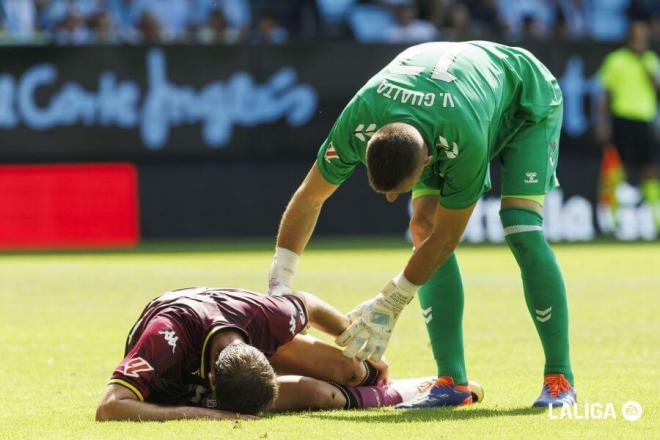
point(335, 162)
point(296, 227)
point(319, 360)
point(445, 237)
point(323, 316)
point(118, 403)
point(300, 216)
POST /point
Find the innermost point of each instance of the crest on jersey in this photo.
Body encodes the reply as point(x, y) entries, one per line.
point(136, 366)
point(364, 131)
point(331, 153)
point(443, 144)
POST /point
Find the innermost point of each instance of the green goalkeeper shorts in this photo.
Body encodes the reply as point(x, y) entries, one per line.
point(528, 160)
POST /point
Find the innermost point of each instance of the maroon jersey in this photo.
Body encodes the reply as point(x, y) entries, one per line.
point(166, 356)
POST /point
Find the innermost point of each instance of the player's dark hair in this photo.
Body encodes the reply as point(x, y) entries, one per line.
point(392, 156)
point(244, 380)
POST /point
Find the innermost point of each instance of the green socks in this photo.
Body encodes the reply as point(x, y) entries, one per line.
point(442, 308)
point(441, 299)
point(543, 283)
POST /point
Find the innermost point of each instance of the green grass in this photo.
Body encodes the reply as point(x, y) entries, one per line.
point(64, 317)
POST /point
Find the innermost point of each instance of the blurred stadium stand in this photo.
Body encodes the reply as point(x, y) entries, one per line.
point(220, 105)
point(80, 22)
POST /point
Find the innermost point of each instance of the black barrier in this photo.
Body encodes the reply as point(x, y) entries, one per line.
point(214, 103)
point(241, 200)
point(223, 134)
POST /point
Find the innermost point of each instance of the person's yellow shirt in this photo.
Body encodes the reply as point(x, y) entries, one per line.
point(629, 79)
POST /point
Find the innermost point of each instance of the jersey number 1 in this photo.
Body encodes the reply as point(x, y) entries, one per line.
point(441, 69)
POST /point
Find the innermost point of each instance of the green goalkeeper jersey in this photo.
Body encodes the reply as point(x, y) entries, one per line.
point(466, 99)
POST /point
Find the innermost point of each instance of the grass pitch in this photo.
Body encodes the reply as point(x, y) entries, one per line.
point(64, 318)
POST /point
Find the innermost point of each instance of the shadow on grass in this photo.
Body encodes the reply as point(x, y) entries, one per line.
point(425, 415)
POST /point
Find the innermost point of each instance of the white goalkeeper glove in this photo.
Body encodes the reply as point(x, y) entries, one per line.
point(282, 271)
point(373, 320)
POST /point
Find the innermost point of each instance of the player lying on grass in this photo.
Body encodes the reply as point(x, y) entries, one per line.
point(204, 353)
point(431, 121)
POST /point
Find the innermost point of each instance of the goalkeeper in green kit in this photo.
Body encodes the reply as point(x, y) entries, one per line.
point(431, 121)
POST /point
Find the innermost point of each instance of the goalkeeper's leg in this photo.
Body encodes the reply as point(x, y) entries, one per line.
point(543, 284)
point(545, 295)
point(529, 163)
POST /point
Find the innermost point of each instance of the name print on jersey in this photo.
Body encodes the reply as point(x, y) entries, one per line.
point(413, 97)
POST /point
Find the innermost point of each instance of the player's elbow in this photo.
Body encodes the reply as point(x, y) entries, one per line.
point(108, 410)
point(308, 197)
point(104, 412)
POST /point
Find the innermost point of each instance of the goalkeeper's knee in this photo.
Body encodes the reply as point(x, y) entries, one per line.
point(523, 231)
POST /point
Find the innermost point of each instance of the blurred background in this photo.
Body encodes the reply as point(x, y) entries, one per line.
point(124, 121)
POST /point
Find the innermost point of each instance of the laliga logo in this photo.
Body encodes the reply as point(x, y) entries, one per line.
point(630, 411)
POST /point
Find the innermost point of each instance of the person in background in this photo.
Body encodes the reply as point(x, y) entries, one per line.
point(217, 30)
point(18, 18)
point(570, 19)
point(103, 29)
point(72, 30)
point(631, 76)
point(149, 29)
point(526, 17)
point(484, 17)
point(531, 29)
point(172, 16)
point(122, 20)
point(269, 30)
point(409, 28)
point(459, 28)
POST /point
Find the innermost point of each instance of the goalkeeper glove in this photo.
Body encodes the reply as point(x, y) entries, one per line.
point(373, 320)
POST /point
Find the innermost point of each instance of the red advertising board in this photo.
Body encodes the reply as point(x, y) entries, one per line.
point(68, 206)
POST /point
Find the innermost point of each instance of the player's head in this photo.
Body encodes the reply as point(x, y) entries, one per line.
point(638, 36)
point(396, 157)
point(244, 379)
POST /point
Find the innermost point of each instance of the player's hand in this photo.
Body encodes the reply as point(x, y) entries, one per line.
point(282, 271)
point(372, 321)
point(383, 370)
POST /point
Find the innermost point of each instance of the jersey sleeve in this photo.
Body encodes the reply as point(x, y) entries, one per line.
point(280, 320)
point(155, 359)
point(288, 317)
point(429, 183)
point(339, 154)
point(466, 179)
